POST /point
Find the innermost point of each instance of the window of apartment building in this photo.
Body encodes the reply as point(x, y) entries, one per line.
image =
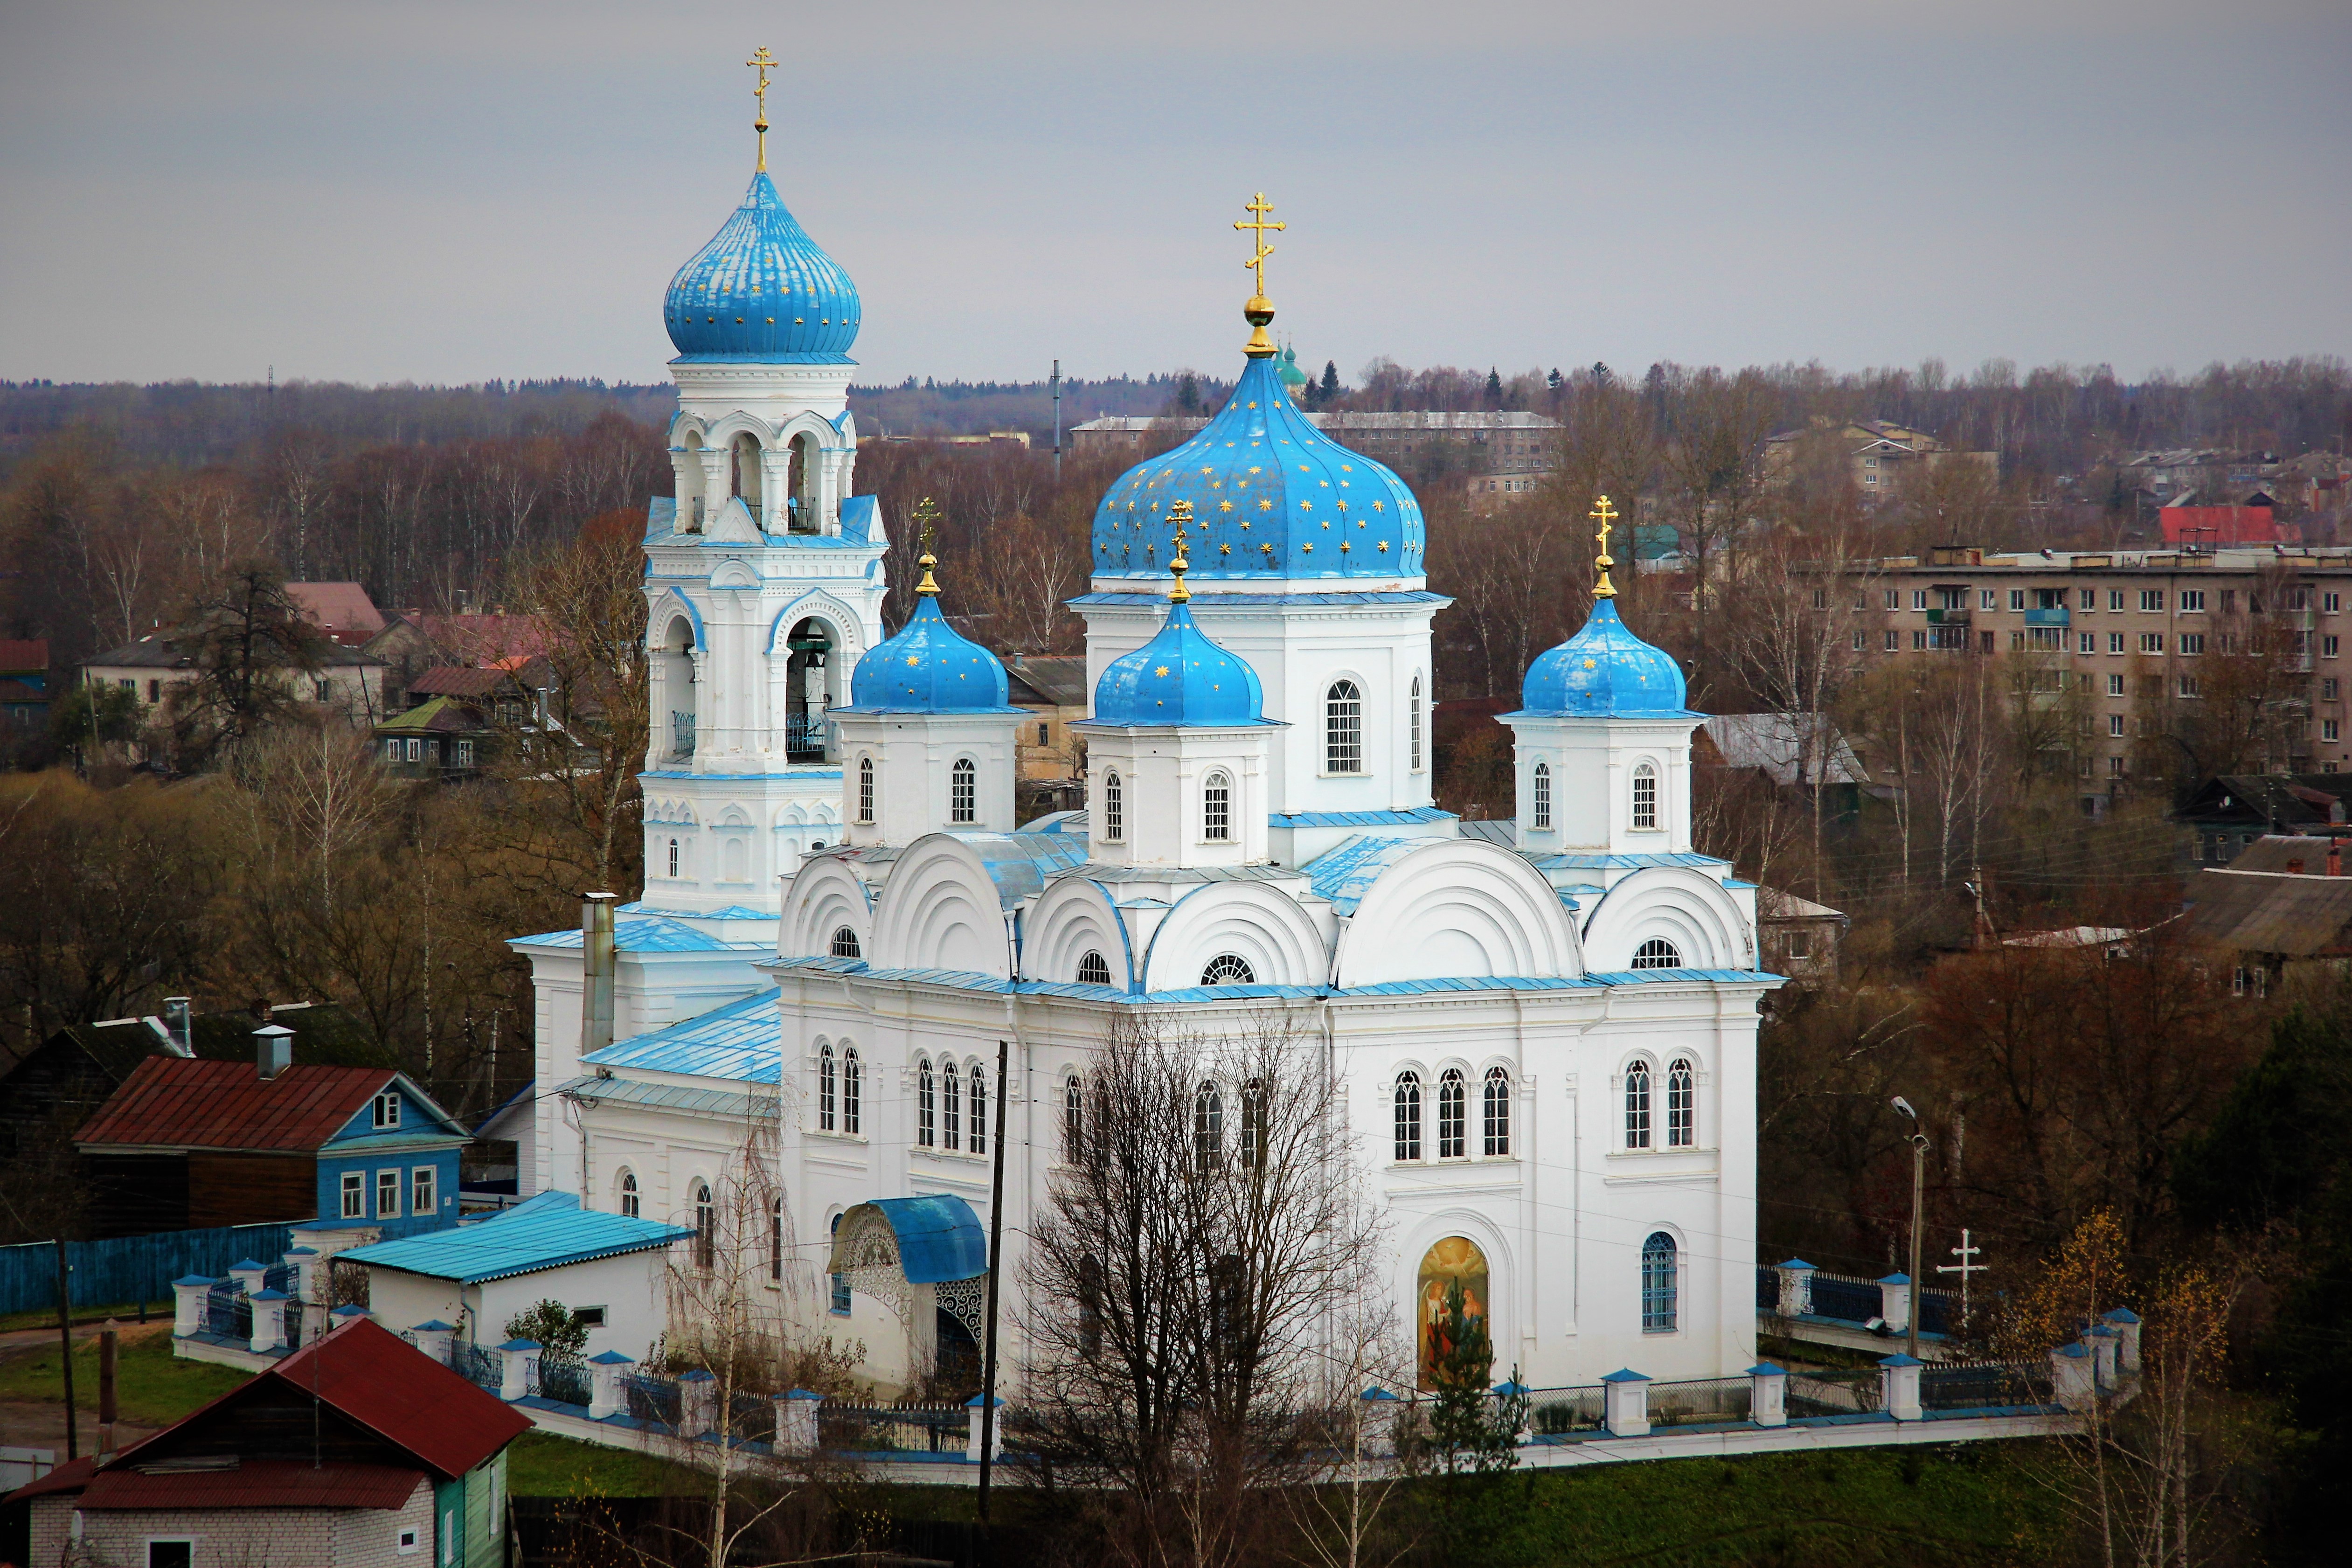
point(1953, 599)
point(1986, 599)
point(1918, 598)
point(1893, 598)
point(2229, 600)
point(1858, 637)
point(2193, 643)
point(2327, 690)
point(2151, 598)
point(1861, 600)
point(2193, 600)
point(1918, 641)
point(1894, 642)
point(2329, 645)
point(2016, 642)
point(2115, 642)
point(2089, 642)
point(2298, 598)
point(2090, 600)
point(2191, 686)
point(2017, 598)
point(2331, 730)
point(2115, 598)
point(2151, 642)
point(2114, 723)
point(2116, 767)
point(2049, 598)
point(2331, 602)
point(2082, 725)
point(2115, 686)
point(1821, 598)
point(1987, 643)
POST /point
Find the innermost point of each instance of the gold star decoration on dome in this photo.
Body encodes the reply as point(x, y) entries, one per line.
point(1224, 506)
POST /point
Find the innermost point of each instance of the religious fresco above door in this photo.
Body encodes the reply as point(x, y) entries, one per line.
point(1454, 1258)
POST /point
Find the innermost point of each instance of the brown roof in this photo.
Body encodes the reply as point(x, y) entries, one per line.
point(258, 1483)
point(482, 639)
point(21, 655)
point(2278, 851)
point(338, 608)
point(457, 681)
point(395, 1390)
point(1057, 680)
point(172, 1102)
point(2269, 911)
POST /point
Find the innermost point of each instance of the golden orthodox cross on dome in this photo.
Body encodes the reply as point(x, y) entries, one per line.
point(1603, 514)
point(762, 60)
point(1260, 309)
point(927, 514)
point(1179, 514)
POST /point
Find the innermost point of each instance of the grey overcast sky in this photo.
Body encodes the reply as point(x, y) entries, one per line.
point(448, 190)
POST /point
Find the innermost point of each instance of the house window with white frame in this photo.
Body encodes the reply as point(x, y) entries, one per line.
point(387, 1194)
point(386, 1110)
point(354, 1195)
point(422, 1198)
point(1645, 798)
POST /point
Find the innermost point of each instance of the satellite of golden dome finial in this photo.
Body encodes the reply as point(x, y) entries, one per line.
point(1604, 515)
point(763, 60)
point(928, 516)
point(1260, 309)
point(1181, 513)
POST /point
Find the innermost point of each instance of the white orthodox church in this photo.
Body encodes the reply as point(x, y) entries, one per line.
point(1546, 1028)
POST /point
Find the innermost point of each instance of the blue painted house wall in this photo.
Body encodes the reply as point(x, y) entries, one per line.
point(423, 1143)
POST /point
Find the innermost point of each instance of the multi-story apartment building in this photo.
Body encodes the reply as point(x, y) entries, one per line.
point(2137, 642)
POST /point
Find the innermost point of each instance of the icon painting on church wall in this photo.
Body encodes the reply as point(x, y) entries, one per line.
point(1454, 1258)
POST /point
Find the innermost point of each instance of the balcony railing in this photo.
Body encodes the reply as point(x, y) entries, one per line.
point(681, 733)
point(804, 739)
point(2056, 616)
point(1947, 618)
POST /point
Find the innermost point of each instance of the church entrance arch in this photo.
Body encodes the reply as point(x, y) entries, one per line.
point(676, 669)
point(1455, 1260)
point(925, 1258)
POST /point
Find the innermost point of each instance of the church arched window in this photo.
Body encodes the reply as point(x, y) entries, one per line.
point(838, 1285)
point(825, 1089)
point(978, 1139)
point(1228, 969)
point(1208, 1126)
point(1543, 795)
point(1217, 808)
point(1453, 1138)
point(852, 1091)
point(1645, 798)
point(1073, 1119)
point(1637, 1105)
point(1407, 1115)
point(844, 944)
point(963, 792)
point(1658, 1290)
point(1413, 708)
point(673, 858)
point(1657, 953)
point(1114, 809)
point(1343, 728)
point(1495, 1106)
point(776, 1240)
point(866, 789)
point(1094, 970)
point(706, 1227)
point(950, 1106)
point(630, 1203)
point(926, 1106)
point(1681, 1106)
point(1254, 1133)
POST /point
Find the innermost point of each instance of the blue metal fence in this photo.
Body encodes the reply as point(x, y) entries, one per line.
point(480, 1367)
point(653, 1400)
point(228, 1311)
point(564, 1379)
point(1852, 1301)
point(129, 1268)
point(1768, 1290)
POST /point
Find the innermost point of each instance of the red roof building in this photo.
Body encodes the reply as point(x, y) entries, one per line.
point(359, 1448)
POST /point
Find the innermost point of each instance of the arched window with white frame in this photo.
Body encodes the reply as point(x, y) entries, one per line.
point(852, 1091)
point(1637, 1105)
point(1408, 1115)
point(631, 1204)
point(1094, 969)
point(824, 1101)
point(1452, 1117)
point(1228, 969)
point(1658, 1285)
point(673, 858)
point(1542, 812)
point(706, 1227)
point(1657, 952)
point(1114, 823)
point(1217, 807)
point(1208, 1126)
point(979, 1101)
point(963, 792)
point(1495, 1112)
point(1681, 1106)
point(1645, 797)
point(1073, 1119)
point(866, 789)
point(925, 1105)
point(950, 1106)
point(1413, 719)
point(1343, 728)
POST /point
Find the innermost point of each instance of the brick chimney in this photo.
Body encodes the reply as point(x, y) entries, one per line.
point(2336, 857)
point(596, 972)
point(2294, 867)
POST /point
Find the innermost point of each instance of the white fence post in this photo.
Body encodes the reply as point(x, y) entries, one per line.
point(2125, 1322)
point(606, 1396)
point(1626, 1402)
point(1898, 1387)
point(1895, 1301)
point(2072, 1381)
point(248, 1274)
point(796, 1421)
point(433, 1338)
point(304, 1261)
point(2104, 1341)
point(697, 1403)
point(1768, 1397)
point(268, 1321)
point(971, 1445)
point(518, 1360)
point(1378, 1418)
point(188, 1305)
point(1796, 1288)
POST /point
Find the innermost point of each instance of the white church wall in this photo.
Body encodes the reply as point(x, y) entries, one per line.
point(1458, 909)
point(1260, 924)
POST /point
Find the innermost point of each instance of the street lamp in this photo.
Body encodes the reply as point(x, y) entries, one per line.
point(1918, 1183)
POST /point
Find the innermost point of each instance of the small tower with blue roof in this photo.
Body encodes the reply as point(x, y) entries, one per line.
point(1176, 748)
point(928, 741)
point(1603, 738)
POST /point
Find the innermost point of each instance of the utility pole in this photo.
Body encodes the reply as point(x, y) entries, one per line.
point(995, 1241)
point(1966, 1266)
point(1057, 422)
point(64, 1337)
point(1918, 1188)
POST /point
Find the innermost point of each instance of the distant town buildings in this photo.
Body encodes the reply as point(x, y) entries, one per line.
point(1879, 453)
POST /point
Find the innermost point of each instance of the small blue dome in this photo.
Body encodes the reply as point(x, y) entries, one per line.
point(761, 290)
point(929, 667)
point(1606, 672)
point(1272, 497)
point(1179, 677)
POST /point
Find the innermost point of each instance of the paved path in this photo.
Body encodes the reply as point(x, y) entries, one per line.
point(31, 1424)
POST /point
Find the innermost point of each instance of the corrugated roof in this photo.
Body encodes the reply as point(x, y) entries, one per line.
point(1345, 872)
point(1359, 818)
point(940, 1238)
point(723, 1104)
point(2280, 851)
point(525, 1240)
point(398, 1392)
point(175, 1102)
point(1626, 862)
point(742, 1040)
point(2269, 911)
point(257, 1483)
point(647, 933)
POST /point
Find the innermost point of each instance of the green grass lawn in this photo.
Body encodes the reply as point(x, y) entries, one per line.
point(152, 1387)
point(543, 1464)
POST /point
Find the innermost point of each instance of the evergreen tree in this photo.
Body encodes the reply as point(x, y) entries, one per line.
point(1553, 380)
point(1494, 387)
point(1469, 1430)
point(1331, 385)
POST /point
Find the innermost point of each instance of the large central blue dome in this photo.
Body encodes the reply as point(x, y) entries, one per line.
point(1272, 495)
point(762, 290)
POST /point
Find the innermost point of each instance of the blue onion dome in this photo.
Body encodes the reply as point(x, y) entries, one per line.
point(1293, 380)
point(1181, 675)
point(762, 290)
point(1606, 672)
point(929, 666)
point(1275, 497)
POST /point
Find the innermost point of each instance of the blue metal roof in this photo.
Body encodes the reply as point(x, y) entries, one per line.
point(1624, 862)
point(661, 516)
point(522, 1240)
point(762, 291)
point(929, 667)
point(939, 1236)
point(1272, 497)
point(1604, 671)
point(731, 912)
point(1345, 872)
point(1179, 677)
point(858, 516)
point(1359, 818)
point(645, 934)
point(1019, 863)
point(1216, 601)
point(743, 1041)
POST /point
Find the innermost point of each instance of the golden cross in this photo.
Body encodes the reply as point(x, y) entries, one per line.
point(762, 60)
point(1603, 514)
point(928, 515)
point(1257, 208)
point(1179, 514)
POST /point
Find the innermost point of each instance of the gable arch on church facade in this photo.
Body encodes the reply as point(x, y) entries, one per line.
point(1670, 903)
point(1416, 1234)
point(1458, 909)
point(940, 909)
point(1072, 917)
point(668, 605)
point(841, 619)
point(823, 898)
point(1265, 929)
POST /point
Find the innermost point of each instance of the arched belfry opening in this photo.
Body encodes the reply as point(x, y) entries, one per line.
point(690, 481)
point(801, 484)
point(743, 471)
point(809, 673)
point(674, 661)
